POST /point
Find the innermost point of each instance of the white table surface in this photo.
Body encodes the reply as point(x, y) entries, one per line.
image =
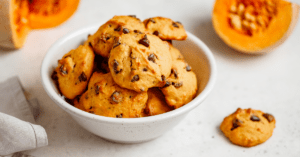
point(268, 82)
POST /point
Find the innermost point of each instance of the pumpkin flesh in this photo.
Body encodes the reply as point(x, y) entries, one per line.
point(18, 17)
point(257, 26)
point(50, 13)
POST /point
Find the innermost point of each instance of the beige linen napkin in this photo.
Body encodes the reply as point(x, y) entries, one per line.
point(17, 129)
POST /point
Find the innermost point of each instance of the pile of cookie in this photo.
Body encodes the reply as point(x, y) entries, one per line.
point(128, 69)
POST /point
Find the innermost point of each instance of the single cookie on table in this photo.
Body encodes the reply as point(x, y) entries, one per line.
point(248, 127)
point(140, 61)
point(74, 70)
point(104, 97)
point(165, 28)
point(156, 103)
point(102, 41)
point(181, 86)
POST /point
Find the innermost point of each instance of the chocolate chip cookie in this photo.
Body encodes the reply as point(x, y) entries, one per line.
point(140, 61)
point(102, 41)
point(104, 97)
point(74, 70)
point(165, 28)
point(181, 86)
point(248, 127)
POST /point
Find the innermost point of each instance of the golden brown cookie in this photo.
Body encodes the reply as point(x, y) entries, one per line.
point(104, 97)
point(74, 70)
point(181, 87)
point(247, 127)
point(102, 41)
point(165, 28)
point(156, 103)
point(140, 61)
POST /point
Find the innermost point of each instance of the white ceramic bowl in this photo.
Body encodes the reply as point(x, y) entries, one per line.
point(131, 130)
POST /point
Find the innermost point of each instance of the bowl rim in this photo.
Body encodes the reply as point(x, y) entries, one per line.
point(79, 113)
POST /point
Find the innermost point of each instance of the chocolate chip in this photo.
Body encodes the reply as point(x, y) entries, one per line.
point(173, 71)
point(116, 42)
point(91, 107)
point(132, 16)
point(82, 77)
point(107, 38)
point(118, 28)
point(116, 97)
point(178, 84)
point(97, 88)
point(92, 112)
point(175, 25)
point(145, 69)
point(152, 57)
point(125, 31)
point(137, 31)
point(135, 78)
point(152, 20)
point(156, 33)
point(236, 123)
point(86, 96)
point(269, 117)
point(254, 118)
point(163, 78)
point(115, 66)
point(63, 70)
point(144, 41)
point(188, 68)
point(119, 116)
point(167, 84)
point(178, 22)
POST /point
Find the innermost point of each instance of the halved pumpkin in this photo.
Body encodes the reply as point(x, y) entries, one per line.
point(254, 26)
point(18, 17)
point(50, 13)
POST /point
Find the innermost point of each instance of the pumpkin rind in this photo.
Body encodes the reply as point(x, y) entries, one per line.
point(17, 18)
point(279, 28)
point(11, 35)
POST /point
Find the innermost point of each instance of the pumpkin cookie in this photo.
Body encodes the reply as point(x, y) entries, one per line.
point(181, 86)
point(247, 127)
point(140, 61)
point(165, 28)
point(156, 103)
point(102, 41)
point(74, 70)
point(104, 97)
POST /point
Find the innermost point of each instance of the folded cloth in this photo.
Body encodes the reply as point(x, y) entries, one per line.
point(17, 129)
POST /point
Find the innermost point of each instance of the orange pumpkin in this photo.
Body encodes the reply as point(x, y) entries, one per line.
point(18, 17)
point(254, 26)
